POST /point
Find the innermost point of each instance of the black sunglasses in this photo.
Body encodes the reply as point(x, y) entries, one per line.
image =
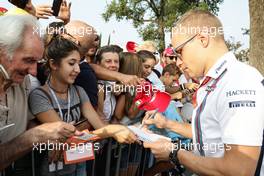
point(172, 57)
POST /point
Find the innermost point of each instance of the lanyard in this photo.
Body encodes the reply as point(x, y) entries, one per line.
point(198, 129)
point(57, 102)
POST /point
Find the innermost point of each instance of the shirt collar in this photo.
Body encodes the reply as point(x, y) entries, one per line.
point(218, 68)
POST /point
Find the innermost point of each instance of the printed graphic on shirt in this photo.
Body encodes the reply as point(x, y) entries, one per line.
point(240, 92)
point(262, 82)
point(245, 103)
point(75, 113)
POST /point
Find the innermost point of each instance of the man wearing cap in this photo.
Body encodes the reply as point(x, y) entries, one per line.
point(227, 121)
point(168, 57)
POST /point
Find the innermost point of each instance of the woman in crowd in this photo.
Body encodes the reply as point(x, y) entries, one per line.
point(59, 100)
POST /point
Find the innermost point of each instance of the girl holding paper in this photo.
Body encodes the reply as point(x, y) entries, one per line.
point(59, 100)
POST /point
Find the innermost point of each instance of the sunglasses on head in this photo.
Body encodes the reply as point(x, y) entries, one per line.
point(66, 36)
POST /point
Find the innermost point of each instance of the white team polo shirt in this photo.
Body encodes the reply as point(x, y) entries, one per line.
point(234, 109)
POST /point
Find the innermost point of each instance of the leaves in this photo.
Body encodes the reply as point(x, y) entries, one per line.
point(235, 47)
point(153, 18)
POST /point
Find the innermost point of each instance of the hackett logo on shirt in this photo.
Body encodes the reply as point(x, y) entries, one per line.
point(246, 103)
point(240, 92)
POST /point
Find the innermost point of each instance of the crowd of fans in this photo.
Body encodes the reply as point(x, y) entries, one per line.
point(53, 81)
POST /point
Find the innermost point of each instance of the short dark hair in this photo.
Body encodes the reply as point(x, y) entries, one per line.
point(172, 69)
point(106, 49)
point(144, 55)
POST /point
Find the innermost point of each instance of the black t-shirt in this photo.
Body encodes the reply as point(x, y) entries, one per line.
point(87, 80)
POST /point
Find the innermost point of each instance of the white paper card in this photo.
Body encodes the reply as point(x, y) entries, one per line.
point(80, 152)
point(145, 136)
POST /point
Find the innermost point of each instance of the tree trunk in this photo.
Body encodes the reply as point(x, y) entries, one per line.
point(161, 38)
point(256, 55)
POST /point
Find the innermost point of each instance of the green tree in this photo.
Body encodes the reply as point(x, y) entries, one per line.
point(153, 18)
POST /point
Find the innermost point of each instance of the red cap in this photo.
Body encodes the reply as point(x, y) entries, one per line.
point(168, 52)
point(149, 99)
point(131, 46)
point(2, 10)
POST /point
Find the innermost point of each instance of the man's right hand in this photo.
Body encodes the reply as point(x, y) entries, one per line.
point(158, 120)
point(56, 131)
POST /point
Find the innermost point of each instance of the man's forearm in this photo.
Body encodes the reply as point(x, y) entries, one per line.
point(17, 147)
point(104, 74)
point(225, 166)
point(184, 129)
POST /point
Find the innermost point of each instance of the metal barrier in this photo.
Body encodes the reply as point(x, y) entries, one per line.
point(111, 151)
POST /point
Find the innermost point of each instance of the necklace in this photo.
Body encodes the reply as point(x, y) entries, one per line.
point(59, 92)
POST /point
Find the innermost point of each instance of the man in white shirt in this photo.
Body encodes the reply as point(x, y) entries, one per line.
point(228, 118)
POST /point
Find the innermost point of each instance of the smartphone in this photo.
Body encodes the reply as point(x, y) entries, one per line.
point(56, 7)
point(19, 3)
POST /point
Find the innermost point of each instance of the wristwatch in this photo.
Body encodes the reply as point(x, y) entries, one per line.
point(173, 155)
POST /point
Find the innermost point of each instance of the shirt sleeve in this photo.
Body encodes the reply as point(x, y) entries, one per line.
point(39, 102)
point(241, 112)
point(83, 95)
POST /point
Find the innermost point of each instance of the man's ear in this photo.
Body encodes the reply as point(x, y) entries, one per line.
point(204, 39)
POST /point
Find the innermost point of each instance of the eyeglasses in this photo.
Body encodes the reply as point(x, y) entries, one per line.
point(178, 49)
point(172, 57)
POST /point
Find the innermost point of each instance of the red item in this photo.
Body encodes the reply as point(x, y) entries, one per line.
point(194, 98)
point(149, 99)
point(169, 52)
point(3, 10)
point(131, 46)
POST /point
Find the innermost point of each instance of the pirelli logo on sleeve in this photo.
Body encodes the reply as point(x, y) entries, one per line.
point(245, 103)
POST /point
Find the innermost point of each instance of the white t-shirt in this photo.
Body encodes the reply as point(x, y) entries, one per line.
point(234, 110)
point(156, 82)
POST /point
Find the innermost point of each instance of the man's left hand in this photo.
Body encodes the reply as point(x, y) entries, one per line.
point(161, 148)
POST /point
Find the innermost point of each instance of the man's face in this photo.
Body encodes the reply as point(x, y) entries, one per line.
point(169, 79)
point(25, 58)
point(190, 60)
point(110, 61)
point(92, 44)
point(170, 59)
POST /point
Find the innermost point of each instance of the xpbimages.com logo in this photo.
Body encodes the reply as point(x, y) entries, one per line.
point(41, 147)
point(74, 31)
point(208, 147)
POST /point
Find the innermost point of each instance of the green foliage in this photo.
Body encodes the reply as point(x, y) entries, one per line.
point(236, 47)
point(153, 18)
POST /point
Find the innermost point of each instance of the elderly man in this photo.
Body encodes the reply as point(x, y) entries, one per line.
point(227, 121)
point(20, 49)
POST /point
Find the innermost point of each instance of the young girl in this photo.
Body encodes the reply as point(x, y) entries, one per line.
point(59, 100)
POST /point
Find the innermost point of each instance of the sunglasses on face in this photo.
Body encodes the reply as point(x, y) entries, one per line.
point(178, 49)
point(172, 57)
